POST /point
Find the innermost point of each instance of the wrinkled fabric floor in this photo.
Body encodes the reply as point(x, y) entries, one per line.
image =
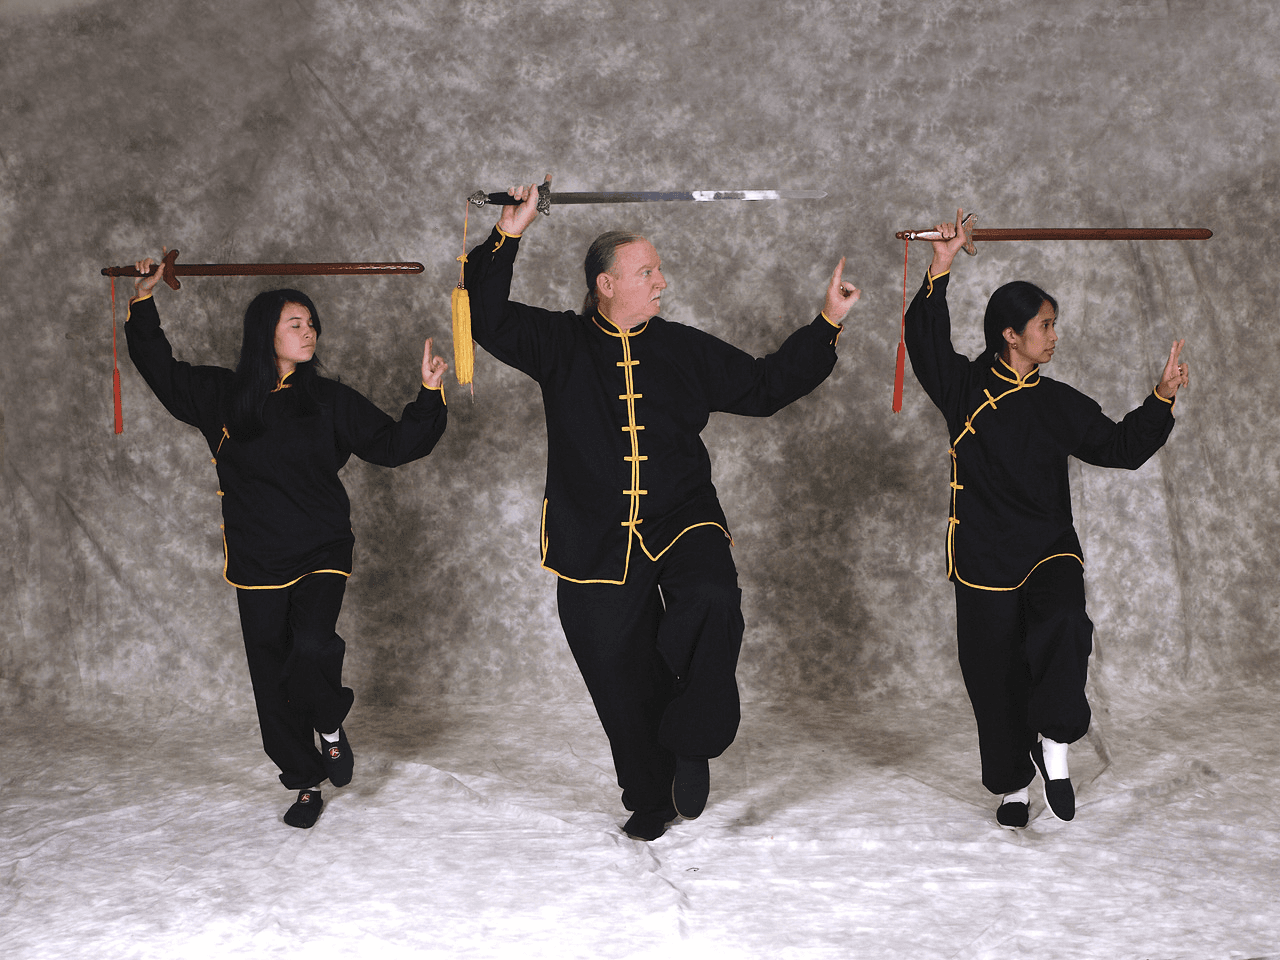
point(486, 830)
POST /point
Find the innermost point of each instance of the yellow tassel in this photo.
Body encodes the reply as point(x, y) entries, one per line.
point(464, 352)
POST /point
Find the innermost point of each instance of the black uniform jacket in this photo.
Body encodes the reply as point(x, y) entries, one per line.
point(626, 467)
point(285, 512)
point(1010, 439)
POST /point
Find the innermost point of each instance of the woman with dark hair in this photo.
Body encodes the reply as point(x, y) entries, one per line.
point(279, 434)
point(1023, 634)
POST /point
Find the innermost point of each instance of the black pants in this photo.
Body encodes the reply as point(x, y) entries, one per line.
point(295, 663)
point(658, 655)
point(1025, 656)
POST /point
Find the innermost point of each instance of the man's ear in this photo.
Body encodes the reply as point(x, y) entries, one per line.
point(604, 286)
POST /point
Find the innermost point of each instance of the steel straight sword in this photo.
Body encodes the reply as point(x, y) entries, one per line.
point(546, 198)
point(170, 270)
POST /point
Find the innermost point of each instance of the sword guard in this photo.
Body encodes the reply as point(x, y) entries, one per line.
point(544, 196)
point(967, 226)
point(166, 270)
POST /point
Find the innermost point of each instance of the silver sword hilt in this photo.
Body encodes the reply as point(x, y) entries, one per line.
point(480, 198)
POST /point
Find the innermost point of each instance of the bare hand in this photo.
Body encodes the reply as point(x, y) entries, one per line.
point(841, 295)
point(515, 220)
point(144, 286)
point(945, 250)
point(1175, 374)
point(433, 368)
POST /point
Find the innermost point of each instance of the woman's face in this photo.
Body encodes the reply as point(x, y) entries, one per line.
point(1036, 342)
point(295, 337)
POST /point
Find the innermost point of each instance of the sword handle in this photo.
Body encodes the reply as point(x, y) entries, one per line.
point(480, 198)
point(165, 267)
point(966, 224)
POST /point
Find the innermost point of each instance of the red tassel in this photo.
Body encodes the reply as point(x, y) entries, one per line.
point(900, 374)
point(899, 377)
point(115, 389)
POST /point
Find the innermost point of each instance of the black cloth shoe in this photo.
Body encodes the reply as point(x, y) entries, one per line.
point(1058, 794)
point(690, 786)
point(1012, 814)
point(339, 763)
point(305, 810)
point(649, 825)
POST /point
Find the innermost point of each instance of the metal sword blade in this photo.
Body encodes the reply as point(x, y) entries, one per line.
point(479, 198)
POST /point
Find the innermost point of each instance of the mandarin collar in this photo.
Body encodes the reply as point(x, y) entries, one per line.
point(612, 329)
point(1006, 373)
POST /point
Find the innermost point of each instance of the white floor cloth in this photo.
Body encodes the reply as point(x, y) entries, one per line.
point(482, 830)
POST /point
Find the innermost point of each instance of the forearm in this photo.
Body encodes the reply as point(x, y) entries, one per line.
point(374, 437)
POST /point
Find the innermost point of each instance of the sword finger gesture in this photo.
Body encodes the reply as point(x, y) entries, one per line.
point(1175, 374)
point(841, 295)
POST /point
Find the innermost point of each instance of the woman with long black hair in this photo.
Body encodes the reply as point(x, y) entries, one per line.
point(279, 434)
point(1023, 634)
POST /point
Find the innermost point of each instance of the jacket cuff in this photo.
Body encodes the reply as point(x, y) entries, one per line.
point(143, 318)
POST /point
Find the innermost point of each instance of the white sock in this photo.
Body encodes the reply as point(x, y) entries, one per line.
point(1055, 758)
point(1018, 796)
point(331, 737)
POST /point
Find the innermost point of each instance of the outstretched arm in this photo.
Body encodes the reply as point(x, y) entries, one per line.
point(739, 383)
point(516, 334)
point(940, 370)
point(1175, 374)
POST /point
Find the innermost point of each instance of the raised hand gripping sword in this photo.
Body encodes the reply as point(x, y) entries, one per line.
point(170, 270)
point(1025, 233)
point(463, 352)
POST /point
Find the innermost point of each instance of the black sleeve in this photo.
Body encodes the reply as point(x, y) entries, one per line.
point(761, 386)
point(1131, 442)
point(192, 394)
point(372, 435)
point(940, 370)
point(521, 336)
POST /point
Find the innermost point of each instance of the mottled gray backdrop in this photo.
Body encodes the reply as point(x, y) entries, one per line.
point(340, 130)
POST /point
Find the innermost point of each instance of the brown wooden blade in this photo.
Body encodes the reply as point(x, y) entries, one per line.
point(172, 270)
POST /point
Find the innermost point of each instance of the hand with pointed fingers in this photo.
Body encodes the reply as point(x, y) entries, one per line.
point(1175, 374)
point(841, 295)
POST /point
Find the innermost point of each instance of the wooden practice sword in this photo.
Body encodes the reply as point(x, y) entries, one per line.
point(172, 270)
point(1059, 233)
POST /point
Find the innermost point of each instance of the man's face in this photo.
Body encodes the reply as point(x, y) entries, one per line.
point(631, 291)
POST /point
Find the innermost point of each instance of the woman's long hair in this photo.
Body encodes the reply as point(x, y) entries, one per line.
point(1011, 306)
point(256, 374)
point(600, 258)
